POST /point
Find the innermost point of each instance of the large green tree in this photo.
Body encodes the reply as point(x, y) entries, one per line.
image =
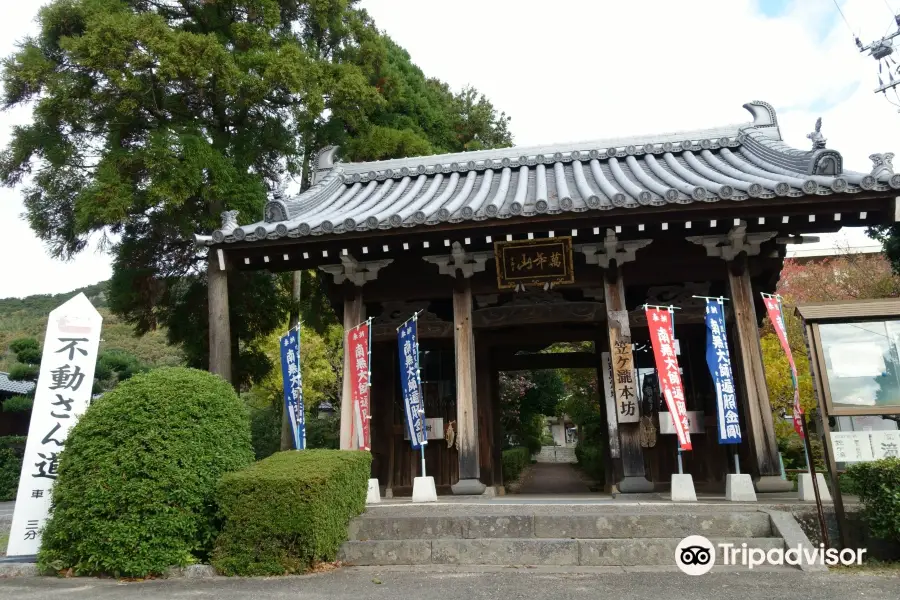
point(151, 117)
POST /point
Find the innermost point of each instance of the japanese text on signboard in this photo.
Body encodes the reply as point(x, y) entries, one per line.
point(62, 394)
point(407, 342)
point(534, 262)
point(624, 382)
point(659, 321)
point(719, 363)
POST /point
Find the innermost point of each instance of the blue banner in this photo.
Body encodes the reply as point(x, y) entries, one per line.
point(408, 344)
point(293, 385)
point(719, 363)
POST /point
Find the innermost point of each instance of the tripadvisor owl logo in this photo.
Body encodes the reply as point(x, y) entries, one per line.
point(695, 555)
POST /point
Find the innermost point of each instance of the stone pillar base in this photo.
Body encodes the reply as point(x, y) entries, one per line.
point(739, 488)
point(635, 485)
point(772, 483)
point(373, 496)
point(683, 488)
point(424, 490)
point(806, 491)
point(468, 487)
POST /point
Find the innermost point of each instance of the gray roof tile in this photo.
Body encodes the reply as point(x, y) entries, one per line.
point(726, 163)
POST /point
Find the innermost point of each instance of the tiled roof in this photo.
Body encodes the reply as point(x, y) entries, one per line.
point(15, 387)
point(730, 163)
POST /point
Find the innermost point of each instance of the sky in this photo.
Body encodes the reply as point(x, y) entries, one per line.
point(576, 70)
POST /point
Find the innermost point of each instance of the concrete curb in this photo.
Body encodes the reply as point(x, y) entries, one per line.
point(787, 527)
point(14, 569)
point(192, 572)
point(22, 569)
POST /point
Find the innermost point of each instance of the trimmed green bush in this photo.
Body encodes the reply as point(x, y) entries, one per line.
point(137, 478)
point(10, 468)
point(590, 457)
point(20, 372)
point(514, 462)
point(878, 485)
point(289, 511)
point(18, 404)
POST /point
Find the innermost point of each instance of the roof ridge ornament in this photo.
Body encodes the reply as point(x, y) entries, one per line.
point(325, 158)
point(229, 221)
point(763, 114)
point(818, 140)
point(881, 164)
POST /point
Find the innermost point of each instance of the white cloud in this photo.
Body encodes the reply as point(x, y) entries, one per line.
point(575, 70)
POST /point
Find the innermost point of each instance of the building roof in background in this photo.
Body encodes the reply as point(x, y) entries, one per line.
point(730, 163)
point(15, 387)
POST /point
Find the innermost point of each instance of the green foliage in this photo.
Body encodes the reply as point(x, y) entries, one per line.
point(26, 350)
point(24, 345)
point(514, 462)
point(18, 404)
point(793, 452)
point(20, 372)
point(323, 433)
point(265, 430)
point(13, 441)
point(10, 469)
point(878, 487)
point(590, 452)
point(149, 119)
point(27, 317)
point(135, 492)
point(289, 511)
point(525, 397)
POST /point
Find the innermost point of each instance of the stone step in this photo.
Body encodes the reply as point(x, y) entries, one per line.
point(373, 526)
point(529, 551)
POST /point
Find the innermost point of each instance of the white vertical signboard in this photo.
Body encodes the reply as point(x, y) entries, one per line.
point(62, 395)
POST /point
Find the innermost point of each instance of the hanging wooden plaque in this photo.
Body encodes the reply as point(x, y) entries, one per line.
point(534, 262)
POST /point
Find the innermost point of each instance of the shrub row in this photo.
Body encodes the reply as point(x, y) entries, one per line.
point(289, 511)
point(10, 469)
point(590, 457)
point(514, 462)
point(878, 486)
point(135, 492)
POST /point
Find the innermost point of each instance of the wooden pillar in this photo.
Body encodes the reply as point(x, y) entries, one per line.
point(485, 414)
point(757, 410)
point(466, 399)
point(219, 319)
point(634, 479)
point(354, 313)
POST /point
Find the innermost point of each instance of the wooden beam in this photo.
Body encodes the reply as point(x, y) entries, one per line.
point(219, 318)
point(466, 399)
point(757, 409)
point(553, 360)
point(353, 316)
point(634, 475)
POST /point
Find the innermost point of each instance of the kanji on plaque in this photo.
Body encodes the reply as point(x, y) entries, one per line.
point(627, 410)
point(659, 321)
point(358, 342)
point(62, 394)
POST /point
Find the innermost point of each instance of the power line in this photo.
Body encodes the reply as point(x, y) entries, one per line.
point(838, 6)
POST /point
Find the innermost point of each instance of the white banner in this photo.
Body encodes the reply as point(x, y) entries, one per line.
point(62, 395)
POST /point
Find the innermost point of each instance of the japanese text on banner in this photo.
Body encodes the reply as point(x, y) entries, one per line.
point(62, 394)
point(358, 342)
point(719, 362)
point(407, 342)
point(661, 328)
point(776, 316)
point(292, 378)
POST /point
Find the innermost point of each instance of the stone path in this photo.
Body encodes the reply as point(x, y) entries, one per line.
point(553, 478)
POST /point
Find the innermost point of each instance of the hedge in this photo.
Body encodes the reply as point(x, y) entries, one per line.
point(878, 485)
point(10, 469)
point(137, 477)
point(18, 404)
point(514, 462)
point(289, 511)
point(590, 457)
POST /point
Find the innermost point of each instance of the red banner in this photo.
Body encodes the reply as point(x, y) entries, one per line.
point(773, 308)
point(358, 342)
point(662, 337)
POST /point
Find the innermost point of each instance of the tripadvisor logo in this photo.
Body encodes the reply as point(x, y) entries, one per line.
point(696, 555)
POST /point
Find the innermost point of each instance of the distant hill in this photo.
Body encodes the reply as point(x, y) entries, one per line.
point(27, 317)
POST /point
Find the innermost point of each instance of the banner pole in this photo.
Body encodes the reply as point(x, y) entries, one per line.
point(415, 318)
point(737, 461)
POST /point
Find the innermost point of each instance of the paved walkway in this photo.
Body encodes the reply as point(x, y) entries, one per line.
point(598, 583)
point(553, 478)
